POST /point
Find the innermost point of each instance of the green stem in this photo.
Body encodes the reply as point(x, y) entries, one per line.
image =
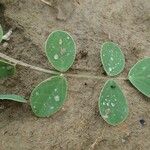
point(18, 62)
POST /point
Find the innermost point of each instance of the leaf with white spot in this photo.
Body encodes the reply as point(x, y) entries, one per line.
point(112, 58)
point(60, 50)
point(112, 103)
point(49, 96)
point(139, 76)
point(13, 97)
point(6, 69)
point(1, 33)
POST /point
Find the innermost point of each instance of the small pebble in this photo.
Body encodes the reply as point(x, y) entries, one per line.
point(123, 140)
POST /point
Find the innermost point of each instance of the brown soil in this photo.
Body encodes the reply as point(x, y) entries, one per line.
point(78, 126)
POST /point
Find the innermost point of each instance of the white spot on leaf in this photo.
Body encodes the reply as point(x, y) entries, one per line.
point(56, 56)
point(144, 68)
point(52, 107)
point(60, 41)
point(111, 58)
point(37, 93)
point(107, 104)
point(56, 98)
point(112, 104)
point(110, 69)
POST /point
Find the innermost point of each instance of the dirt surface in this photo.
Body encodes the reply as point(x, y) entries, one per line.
point(78, 126)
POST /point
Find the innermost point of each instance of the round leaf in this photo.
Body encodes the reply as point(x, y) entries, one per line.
point(6, 69)
point(112, 103)
point(13, 97)
point(139, 76)
point(49, 96)
point(1, 33)
point(60, 50)
point(112, 58)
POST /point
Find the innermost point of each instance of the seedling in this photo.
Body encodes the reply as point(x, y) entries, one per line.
point(50, 95)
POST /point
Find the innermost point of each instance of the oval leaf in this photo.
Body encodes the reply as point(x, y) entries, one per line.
point(112, 58)
point(139, 76)
point(49, 96)
point(13, 97)
point(6, 69)
point(1, 33)
point(113, 106)
point(60, 50)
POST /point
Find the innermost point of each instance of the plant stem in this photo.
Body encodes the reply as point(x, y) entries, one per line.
point(18, 62)
point(84, 76)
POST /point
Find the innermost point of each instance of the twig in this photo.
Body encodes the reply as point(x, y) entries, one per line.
point(97, 140)
point(46, 2)
point(18, 62)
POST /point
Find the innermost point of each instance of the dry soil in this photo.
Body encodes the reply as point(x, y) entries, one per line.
point(78, 126)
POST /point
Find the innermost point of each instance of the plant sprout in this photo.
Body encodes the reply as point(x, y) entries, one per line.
point(49, 96)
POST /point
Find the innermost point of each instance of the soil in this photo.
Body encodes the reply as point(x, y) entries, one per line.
point(78, 126)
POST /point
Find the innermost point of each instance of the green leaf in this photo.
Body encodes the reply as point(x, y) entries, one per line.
point(6, 69)
point(61, 50)
point(49, 96)
point(112, 103)
point(139, 76)
point(112, 58)
point(1, 33)
point(13, 97)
